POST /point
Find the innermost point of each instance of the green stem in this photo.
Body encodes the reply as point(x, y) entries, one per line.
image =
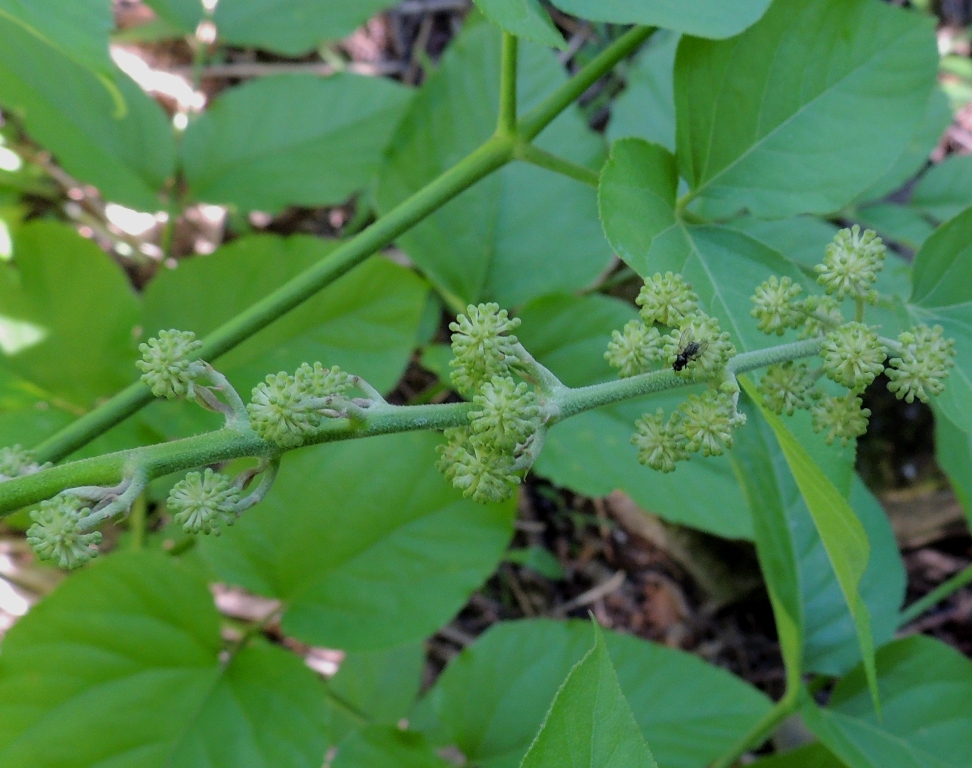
point(761, 730)
point(528, 153)
point(229, 443)
point(491, 156)
point(544, 113)
point(136, 521)
point(859, 310)
point(506, 125)
point(942, 591)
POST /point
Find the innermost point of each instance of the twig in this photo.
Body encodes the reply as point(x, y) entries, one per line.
point(603, 589)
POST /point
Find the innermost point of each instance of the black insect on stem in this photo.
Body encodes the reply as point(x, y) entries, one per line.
point(688, 349)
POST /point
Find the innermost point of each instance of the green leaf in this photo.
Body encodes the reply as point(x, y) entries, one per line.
point(184, 14)
point(537, 559)
point(811, 756)
point(938, 116)
point(590, 723)
point(291, 27)
point(946, 190)
point(292, 140)
point(703, 18)
point(802, 239)
point(67, 315)
point(493, 697)
point(77, 30)
point(377, 687)
point(123, 663)
point(365, 542)
point(365, 322)
point(953, 450)
point(844, 537)
point(926, 694)
point(942, 294)
point(520, 233)
point(75, 114)
point(898, 223)
point(387, 747)
point(523, 18)
point(646, 107)
point(781, 119)
point(591, 453)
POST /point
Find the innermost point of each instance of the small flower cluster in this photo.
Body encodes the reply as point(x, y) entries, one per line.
point(852, 353)
point(16, 461)
point(201, 502)
point(57, 534)
point(168, 364)
point(486, 458)
point(288, 409)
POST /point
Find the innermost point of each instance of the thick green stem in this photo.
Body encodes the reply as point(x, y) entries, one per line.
point(506, 125)
point(539, 157)
point(761, 730)
point(491, 156)
point(381, 419)
point(941, 592)
point(544, 113)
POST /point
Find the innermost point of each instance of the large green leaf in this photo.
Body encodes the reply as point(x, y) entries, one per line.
point(802, 239)
point(646, 107)
point(811, 756)
point(520, 233)
point(75, 113)
point(493, 697)
point(292, 140)
point(844, 538)
point(946, 190)
point(781, 119)
point(897, 223)
point(590, 724)
point(365, 322)
point(67, 315)
point(591, 453)
point(953, 450)
point(365, 542)
point(184, 14)
point(926, 719)
point(377, 687)
point(291, 27)
point(942, 293)
point(523, 18)
point(387, 747)
point(123, 666)
point(704, 18)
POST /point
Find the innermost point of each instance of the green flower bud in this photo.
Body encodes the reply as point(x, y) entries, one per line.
point(483, 344)
point(777, 307)
point(707, 422)
point(853, 356)
point(321, 382)
point(201, 502)
point(842, 418)
point(851, 264)
point(480, 472)
point(822, 315)
point(505, 415)
point(660, 445)
point(57, 535)
point(167, 364)
point(634, 349)
point(667, 299)
point(279, 414)
point(922, 365)
point(16, 462)
point(715, 347)
point(788, 386)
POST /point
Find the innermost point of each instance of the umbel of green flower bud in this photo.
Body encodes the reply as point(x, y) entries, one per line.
point(200, 503)
point(634, 349)
point(476, 467)
point(853, 356)
point(57, 535)
point(483, 346)
point(922, 364)
point(851, 265)
point(505, 413)
point(714, 347)
point(776, 305)
point(169, 369)
point(666, 299)
point(286, 410)
point(789, 386)
point(840, 418)
point(660, 443)
point(16, 461)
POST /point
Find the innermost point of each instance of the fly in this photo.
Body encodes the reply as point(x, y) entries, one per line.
point(688, 349)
